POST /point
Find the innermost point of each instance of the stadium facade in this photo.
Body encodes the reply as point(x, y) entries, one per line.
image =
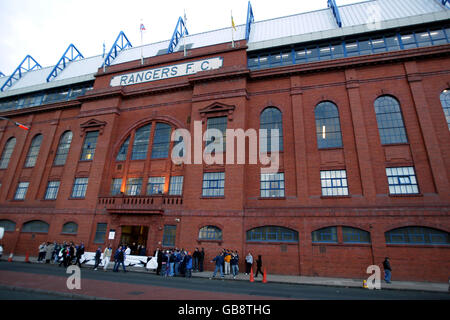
point(360, 95)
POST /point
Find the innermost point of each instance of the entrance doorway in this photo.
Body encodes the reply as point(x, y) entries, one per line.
point(135, 237)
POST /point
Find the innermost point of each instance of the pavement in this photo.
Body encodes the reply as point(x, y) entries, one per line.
point(292, 279)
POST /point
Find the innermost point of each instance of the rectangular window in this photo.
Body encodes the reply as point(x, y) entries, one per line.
point(156, 185)
point(115, 186)
point(161, 141)
point(334, 183)
point(176, 186)
point(169, 236)
point(79, 187)
point(219, 123)
point(134, 186)
point(21, 191)
point(140, 144)
point(90, 143)
point(213, 184)
point(52, 190)
point(402, 180)
point(100, 233)
point(272, 185)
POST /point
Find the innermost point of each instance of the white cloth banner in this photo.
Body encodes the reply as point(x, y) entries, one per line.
point(130, 261)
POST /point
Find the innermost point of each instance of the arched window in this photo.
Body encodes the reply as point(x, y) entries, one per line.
point(272, 234)
point(210, 233)
point(328, 128)
point(35, 226)
point(7, 152)
point(354, 235)
point(122, 155)
point(161, 141)
point(140, 144)
point(390, 120)
point(8, 225)
point(271, 120)
point(33, 152)
point(417, 235)
point(445, 101)
point(63, 148)
point(325, 235)
point(70, 228)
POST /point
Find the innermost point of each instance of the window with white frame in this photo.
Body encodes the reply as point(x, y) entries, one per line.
point(213, 184)
point(402, 180)
point(52, 190)
point(176, 186)
point(21, 191)
point(272, 185)
point(334, 183)
point(79, 187)
point(33, 152)
point(156, 185)
point(134, 186)
point(115, 186)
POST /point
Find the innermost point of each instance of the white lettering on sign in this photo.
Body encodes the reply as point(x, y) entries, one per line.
point(167, 72)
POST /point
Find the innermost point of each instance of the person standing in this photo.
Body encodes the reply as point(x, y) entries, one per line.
point(258, 265)
point(98, 255)
point(107, 256)
point(80, 252)
point(387, 270)
point(158, 254)
point(42, 251)
point(119, 258)
point(195, 260)
point(71, 255)
point(234, 264)
point(49, 252)
point(219, 265)
point(188, 259)
point(201, 258)
point(227, 259)
point(248, 263)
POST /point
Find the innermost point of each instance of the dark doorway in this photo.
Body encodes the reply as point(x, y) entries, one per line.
point(135, 237)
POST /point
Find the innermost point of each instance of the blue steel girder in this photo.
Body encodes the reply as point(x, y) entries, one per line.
point(445, 3)
point(27, 64)
point(178, 33)
point(332, 4)
point(70, 54)
point(120, 44)
point(250, 20)
point(1, 74)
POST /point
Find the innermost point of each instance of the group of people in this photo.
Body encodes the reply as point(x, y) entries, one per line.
point(226, 262)
point(179, 262)
point(66, 253)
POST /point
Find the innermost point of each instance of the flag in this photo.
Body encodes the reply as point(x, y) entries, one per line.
point(142, 27)
point(232, 23)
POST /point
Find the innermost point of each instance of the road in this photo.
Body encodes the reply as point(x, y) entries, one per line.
point(149, 286)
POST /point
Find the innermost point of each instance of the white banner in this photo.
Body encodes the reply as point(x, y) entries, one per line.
point(130, 261)
point(167, 72)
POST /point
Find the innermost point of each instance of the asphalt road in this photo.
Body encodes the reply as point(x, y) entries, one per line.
point(197, 287)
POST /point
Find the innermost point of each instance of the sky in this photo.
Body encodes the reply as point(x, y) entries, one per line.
point(45, 28)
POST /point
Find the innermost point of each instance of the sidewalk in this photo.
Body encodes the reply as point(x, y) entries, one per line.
point(320, 281)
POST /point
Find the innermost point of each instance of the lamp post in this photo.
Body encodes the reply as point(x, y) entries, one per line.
point(21, 126)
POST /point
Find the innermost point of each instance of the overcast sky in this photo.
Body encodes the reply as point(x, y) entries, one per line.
point(45, 28)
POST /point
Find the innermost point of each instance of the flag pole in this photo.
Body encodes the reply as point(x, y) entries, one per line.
point(184, 37)
point(232, 27)
point(142, 53)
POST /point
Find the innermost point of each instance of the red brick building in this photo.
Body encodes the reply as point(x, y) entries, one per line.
point(364, 117)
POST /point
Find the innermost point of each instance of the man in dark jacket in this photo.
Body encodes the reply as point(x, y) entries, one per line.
point(258, 265)
point(80, 252)
point(158, 253)
point(201, 259)
point(219, 259)
point(98, 255)
point(387, 270)
point(195, 259)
